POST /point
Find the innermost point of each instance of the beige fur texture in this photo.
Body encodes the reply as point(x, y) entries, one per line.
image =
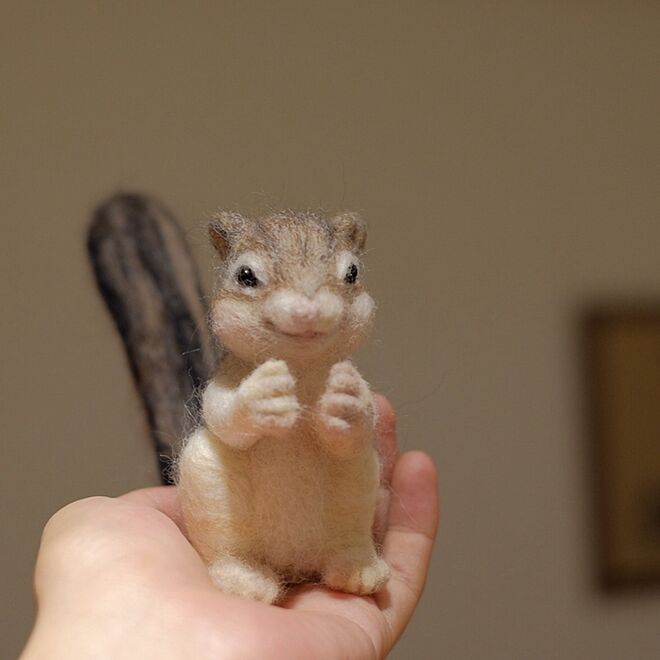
point(281, 483)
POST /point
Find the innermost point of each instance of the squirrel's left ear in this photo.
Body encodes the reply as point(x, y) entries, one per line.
point(350, 230)
point(224, 228)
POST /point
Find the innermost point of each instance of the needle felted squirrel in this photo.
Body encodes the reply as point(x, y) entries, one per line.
point(279, 484)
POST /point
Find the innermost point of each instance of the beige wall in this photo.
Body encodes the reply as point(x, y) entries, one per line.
point(507, 156)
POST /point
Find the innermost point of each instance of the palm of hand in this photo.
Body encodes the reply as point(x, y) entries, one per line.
point(120, 577)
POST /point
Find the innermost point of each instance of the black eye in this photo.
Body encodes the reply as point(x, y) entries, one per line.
point(351, 274)
point(246, 277)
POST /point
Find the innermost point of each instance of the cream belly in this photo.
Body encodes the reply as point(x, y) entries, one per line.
point(285, 503)
point(290, 500)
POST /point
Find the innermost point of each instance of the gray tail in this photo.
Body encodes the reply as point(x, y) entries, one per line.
point(150, 284)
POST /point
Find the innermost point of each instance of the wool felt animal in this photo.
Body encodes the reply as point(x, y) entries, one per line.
point(280, 483)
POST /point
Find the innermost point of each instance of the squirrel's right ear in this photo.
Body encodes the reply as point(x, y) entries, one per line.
point(224, 228)
point(350, 230)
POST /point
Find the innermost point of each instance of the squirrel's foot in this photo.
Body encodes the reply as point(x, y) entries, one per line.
point(241, 578)
point(357, 577)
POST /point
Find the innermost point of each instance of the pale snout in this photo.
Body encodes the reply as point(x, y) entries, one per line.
point(294, 313)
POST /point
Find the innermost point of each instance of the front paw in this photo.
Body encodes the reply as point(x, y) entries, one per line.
point(267, 397)
point(347, 403)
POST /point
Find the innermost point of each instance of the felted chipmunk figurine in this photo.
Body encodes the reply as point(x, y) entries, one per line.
point(280, 483)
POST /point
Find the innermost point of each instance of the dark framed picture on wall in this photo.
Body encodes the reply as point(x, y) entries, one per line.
point(623, 377)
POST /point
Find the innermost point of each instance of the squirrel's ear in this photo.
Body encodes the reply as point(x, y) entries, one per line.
point(350, 230)
point(224, 229)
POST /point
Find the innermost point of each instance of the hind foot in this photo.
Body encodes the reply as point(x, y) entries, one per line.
point(357, 577)
point(242, 578)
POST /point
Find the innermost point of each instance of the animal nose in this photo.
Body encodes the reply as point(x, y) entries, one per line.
point(304, 310)
point(296, 312)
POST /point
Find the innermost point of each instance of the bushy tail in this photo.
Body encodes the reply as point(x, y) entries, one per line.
point(150, 284)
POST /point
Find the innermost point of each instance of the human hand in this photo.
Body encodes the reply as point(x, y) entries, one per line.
point(116, 578)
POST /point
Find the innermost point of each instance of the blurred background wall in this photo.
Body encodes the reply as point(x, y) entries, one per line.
point(507, 157)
